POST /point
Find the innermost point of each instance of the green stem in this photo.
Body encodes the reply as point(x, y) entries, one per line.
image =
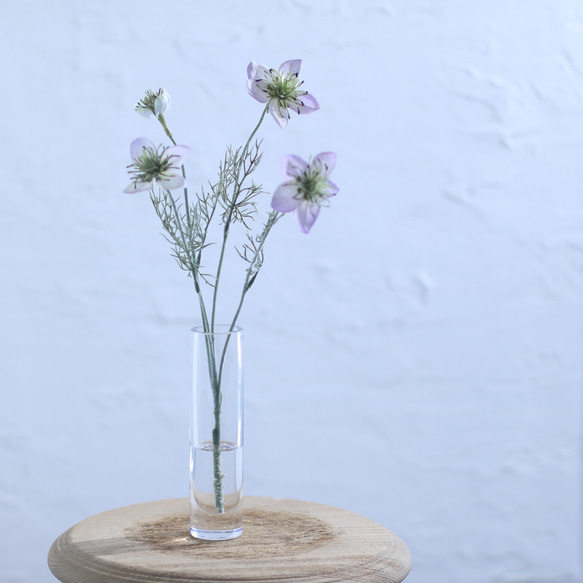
point(265, 110)
point(273, 217)
point(209, 340)
point(214, 379)
point(209, 327)
point(162, 121)
point(217, 394)
point(164, 125)
point(236, 193)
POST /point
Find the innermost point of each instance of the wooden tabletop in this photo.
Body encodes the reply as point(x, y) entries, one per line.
point(283, 541)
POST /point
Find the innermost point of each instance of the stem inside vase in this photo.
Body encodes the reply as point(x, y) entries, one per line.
point(216, 426)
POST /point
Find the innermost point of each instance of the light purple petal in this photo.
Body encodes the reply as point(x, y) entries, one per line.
point(284, 199)
point(292, 165)
point(306, 215)
point(137, 187)
point(292, 67)
point(256, 72)
point(253, 68)
point(309, 104)
point(332, 189)
point(280, 114)
point(138, 145)
point(178, 154)
point(171, 182)
point(256, 88)
point(327, 160)
point(295, 106)
point(261, 85)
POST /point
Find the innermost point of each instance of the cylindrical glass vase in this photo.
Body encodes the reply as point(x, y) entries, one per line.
point(216, 435)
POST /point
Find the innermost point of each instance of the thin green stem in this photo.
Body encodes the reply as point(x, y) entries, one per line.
point(265, 110)
point(217, 393)
point(236, 193)
point(193, 264)
point(164, 125)
point(209, 339)
point(250, 276)
point(215, 367)
point(203, 313)
point(252, 270)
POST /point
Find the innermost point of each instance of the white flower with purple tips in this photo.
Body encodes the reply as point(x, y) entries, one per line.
point(281, 90)
point(309, 189)
point(160, 165)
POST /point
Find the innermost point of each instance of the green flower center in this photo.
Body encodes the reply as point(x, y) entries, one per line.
point(312, 185)
point(150, 165)
point(284, 88)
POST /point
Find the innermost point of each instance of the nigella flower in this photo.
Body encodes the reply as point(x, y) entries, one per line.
point(281, 90)
point(161, 165)
point(309, 189)
point(154, 103)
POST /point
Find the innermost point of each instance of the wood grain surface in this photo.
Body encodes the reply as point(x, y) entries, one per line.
point(283, 541)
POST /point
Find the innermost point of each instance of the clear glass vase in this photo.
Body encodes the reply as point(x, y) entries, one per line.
point(216, 435)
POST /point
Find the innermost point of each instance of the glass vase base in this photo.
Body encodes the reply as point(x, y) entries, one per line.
point(216, 534)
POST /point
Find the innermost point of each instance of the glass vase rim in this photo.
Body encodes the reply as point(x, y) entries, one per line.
point(220, 330)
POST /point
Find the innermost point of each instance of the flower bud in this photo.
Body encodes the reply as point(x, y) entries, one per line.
point(162, 102)
point(154, 103)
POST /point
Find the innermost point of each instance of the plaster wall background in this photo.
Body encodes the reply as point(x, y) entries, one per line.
point(417, 358)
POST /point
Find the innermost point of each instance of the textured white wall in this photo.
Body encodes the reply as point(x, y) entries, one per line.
point(416, 358)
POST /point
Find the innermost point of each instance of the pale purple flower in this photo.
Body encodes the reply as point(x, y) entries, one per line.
point(154, 103)
point(153, 164)
point(281, 90)
point(309, 189)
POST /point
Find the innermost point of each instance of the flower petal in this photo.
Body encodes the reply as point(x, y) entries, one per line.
point(332, 189)
point(257, 89)
point(138, 145)
point(143, 111)
point(171, 182)
point(178, 154)
point(292, 67)
point(306, 215)
point(255, 70)
point(327, 160)
point(308, 104)
point(284, 198)
point(137, 187)
point(292, 165)
point(162, 102)
point(256, 84)
point(280, 114)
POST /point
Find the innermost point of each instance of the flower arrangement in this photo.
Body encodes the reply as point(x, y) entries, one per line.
point(231, 200)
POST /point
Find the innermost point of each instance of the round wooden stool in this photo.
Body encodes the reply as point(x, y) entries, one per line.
point(283, 541)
